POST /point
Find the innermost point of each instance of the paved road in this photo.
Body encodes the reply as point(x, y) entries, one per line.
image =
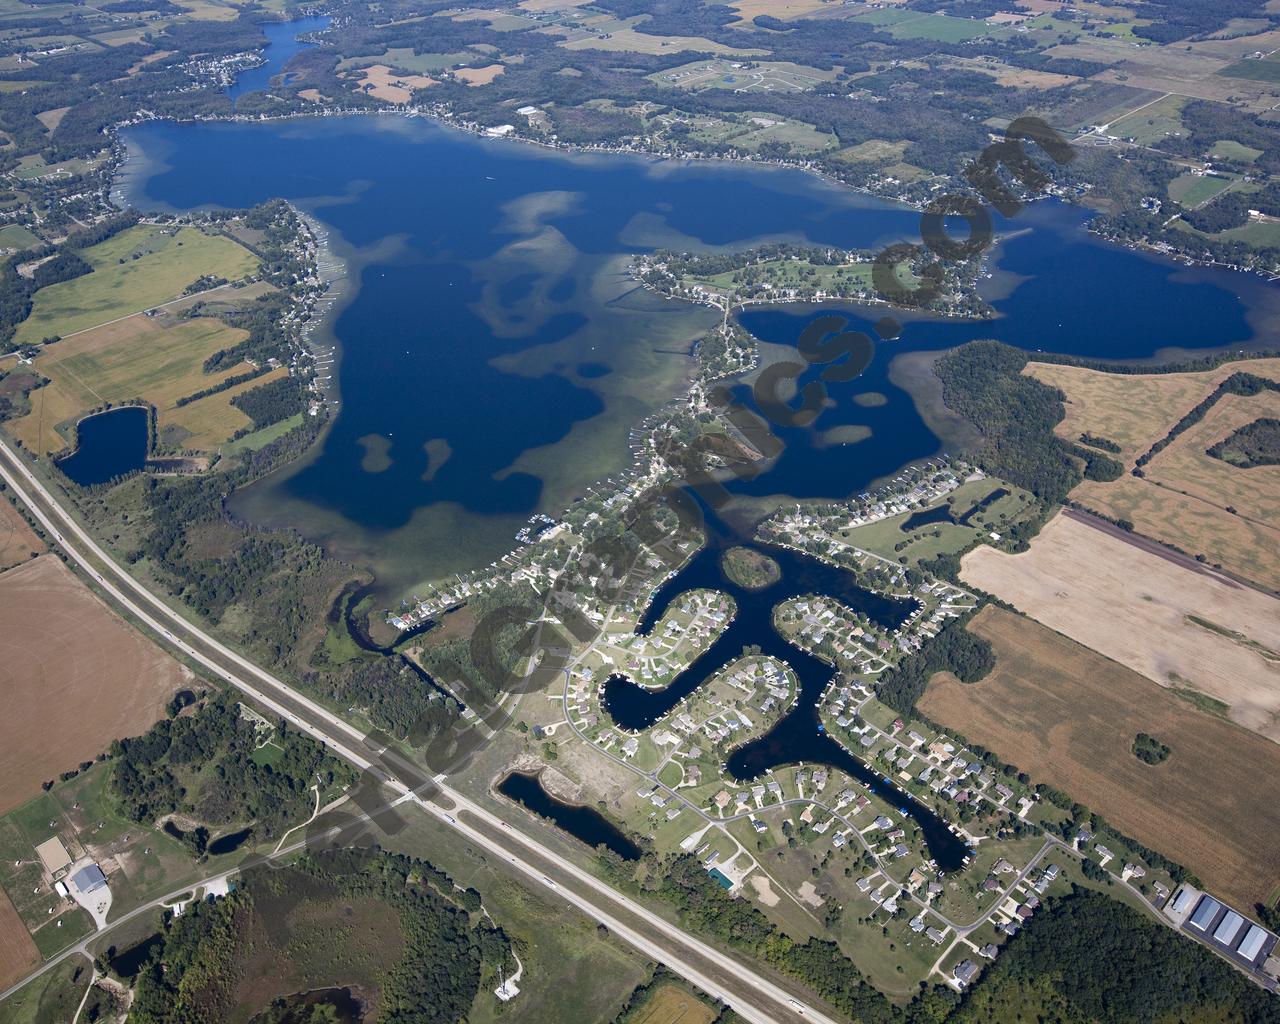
point(757, 998)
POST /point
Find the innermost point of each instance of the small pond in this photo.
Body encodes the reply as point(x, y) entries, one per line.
point(108, 445)
point(581, 822)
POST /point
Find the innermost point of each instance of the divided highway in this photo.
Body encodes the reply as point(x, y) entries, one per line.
point(755, 997)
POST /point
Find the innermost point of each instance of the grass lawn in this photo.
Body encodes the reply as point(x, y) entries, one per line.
point(136, 270)
point(63, 931)
point(928, 540)
point(50, 999)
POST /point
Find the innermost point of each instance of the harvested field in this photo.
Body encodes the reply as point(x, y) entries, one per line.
point(208, 422)
point(1135, 410)
point(1133, 602)
point(382, 82)
point(73, 677)
point(132, 358)
point(1185, 465)
point(1246, 548)
point(783, 10)
point(18, 953)
point(480, 76)
point(52, 118)
point(671, 1004)
point(1068, 717)
point(18, 541)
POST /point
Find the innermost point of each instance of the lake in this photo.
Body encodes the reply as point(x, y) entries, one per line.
point(495, 354)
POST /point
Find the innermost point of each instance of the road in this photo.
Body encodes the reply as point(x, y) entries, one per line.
point(757, 998)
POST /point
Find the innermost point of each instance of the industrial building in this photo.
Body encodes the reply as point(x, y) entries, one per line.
point(1228, 931)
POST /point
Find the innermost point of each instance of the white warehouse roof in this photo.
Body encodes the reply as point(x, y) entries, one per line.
point(1227, 931)
point(1253, 943)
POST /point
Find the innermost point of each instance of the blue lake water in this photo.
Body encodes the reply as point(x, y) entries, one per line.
point(108, 445)
point(493, 347)
point(282, 44)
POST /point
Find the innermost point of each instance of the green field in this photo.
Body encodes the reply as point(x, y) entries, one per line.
point(404, 59)
point(1229, 149)
point(15, 236)
point(136, 270)
point(913, 25)
point(1193, 189)
point(84, 816)
point(1265, 70)
point(790, 274)
point(261, 438)
point(1153, 123)
point(1260, 234)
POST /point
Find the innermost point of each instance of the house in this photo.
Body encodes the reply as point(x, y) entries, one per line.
point(965, 971)
point(989, 951)
point(935, 935)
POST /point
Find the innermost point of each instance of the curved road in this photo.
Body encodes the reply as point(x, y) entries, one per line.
point(757, 998)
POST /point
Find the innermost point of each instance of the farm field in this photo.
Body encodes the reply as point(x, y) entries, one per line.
point(404, 59)
point(1069, 717)
point(208, 422)
point(137, 357)
point(1192, 190)
point(137, 269)
point(1239, 545)
point(18, 952)
point(1152, 123)
point(1185, 465)
point(902, 24)
point(612, 34)
point(18, 541)
point(671, 1004)
point(1137, 410)
point(751, 77)
point(1134, 410)
point(1134, 603)
point(74, 677)
point(1265, 70)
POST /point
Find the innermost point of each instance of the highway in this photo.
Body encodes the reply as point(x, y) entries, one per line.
point(755, 997)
